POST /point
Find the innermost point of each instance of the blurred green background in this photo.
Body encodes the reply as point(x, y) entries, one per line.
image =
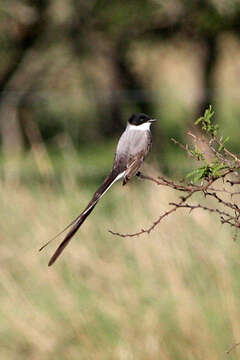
point(71, 74)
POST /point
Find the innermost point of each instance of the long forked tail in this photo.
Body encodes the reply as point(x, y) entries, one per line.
point(75, 225)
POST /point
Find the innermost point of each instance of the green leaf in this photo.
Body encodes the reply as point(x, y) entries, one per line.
point(223, 143)
point(206, 121)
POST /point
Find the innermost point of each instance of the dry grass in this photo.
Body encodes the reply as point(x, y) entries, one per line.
point(172, 295)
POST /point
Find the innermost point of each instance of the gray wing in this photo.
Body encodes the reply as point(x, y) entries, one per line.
point(131, 151)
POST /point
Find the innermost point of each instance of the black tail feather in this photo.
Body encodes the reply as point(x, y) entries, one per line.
point(82, 217)
point(70, 234)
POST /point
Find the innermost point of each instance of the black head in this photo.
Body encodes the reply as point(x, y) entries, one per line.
point(139, 119)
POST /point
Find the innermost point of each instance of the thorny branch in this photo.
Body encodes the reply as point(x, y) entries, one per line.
point(219, 181)
point(232, 348)
point(226, 217)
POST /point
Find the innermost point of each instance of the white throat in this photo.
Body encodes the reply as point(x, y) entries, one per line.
point(143, 127)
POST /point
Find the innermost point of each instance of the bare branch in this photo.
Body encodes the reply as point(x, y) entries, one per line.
point(232, 348)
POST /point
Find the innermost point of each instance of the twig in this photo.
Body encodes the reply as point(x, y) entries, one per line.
point(155, 223)
point(190, 189)
point(232, 348)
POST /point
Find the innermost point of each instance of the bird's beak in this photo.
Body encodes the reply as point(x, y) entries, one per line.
point(153, 120)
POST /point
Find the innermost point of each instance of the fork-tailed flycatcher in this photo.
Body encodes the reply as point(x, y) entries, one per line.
point(133, 146)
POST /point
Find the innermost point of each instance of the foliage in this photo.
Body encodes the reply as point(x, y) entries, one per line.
point(214, 169)
point(206, 122)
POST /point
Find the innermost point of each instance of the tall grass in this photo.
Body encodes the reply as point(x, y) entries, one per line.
point(172, 295)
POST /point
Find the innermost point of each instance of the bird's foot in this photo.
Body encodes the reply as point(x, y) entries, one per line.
point(139, 174)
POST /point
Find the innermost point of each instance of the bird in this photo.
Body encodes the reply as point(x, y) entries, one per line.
point(132, 148)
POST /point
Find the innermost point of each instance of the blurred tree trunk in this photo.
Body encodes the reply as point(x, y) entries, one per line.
point(14, 85)
point(208, 70)
point(21, 81)
point(127, 95)
point(17, 79)
point(207, 94)
point(134, 89)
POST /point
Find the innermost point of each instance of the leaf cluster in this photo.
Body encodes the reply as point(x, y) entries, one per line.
point(214, 169)
point(207, 171)
point(206, 122)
